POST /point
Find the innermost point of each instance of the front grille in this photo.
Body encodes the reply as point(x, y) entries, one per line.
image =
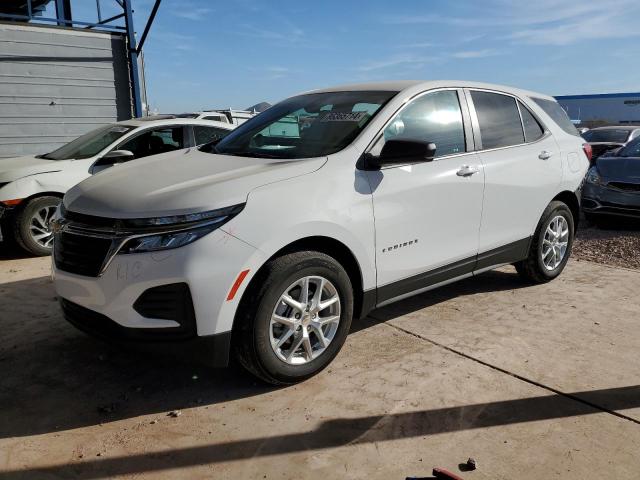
point(625, 186)
point(90, 221)
point(80, 254)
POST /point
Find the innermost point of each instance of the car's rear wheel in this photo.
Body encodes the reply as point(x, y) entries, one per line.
point(550, 246)
point(295, 317)
point(32, 225)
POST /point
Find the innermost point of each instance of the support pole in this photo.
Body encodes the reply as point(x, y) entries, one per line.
point(133, 59)
point(63, 13)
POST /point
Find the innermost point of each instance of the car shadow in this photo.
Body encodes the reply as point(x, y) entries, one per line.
point(50, 368)
point(9, 251)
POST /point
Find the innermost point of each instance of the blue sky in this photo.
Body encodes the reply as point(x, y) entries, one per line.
point(234, 53)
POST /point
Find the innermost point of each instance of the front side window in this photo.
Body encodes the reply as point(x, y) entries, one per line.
point(89, 144)
point(499, 119)
point(153, 142)
point(311, 125)
point(532, 129)
point(204, 134)
point(435, 117)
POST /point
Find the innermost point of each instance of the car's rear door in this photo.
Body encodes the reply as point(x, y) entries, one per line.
point(427, 215)
point(523, 169)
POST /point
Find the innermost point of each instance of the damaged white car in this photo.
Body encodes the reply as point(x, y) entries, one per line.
point(31, 187)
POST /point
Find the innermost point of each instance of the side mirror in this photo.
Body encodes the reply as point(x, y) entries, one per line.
point(114, 157)
point(117, 156)
point(397, 152)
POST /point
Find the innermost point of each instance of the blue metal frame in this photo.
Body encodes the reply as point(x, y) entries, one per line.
point(133, 58)
point(63, 17)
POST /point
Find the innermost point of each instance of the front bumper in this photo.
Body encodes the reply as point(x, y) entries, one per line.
point(108, 306)
point(600, 199)
point(213, 349)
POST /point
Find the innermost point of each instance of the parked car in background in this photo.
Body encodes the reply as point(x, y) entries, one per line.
point(266, 244)
point(603, 139)
point(612, 185)
point(31, 187)
point(230, 116)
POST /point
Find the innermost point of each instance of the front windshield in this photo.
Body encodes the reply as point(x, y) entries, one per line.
point(90, 143)
point(632, 149)
point(609, 135)
point(311, 125)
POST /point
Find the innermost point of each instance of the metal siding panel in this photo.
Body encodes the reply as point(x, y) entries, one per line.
point(56, 84)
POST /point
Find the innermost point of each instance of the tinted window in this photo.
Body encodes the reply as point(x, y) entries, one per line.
point(532, 129)
point(499, 120)
point(434, 117)
point(557, 114)
point(216, 118)
point(632, 149)
point(208, 134)
point(311, 125)
point(153, 142)
point(613, 135)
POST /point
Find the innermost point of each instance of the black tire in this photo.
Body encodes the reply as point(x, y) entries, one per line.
point(251, 336)
point(22, 225)
point(532, 268)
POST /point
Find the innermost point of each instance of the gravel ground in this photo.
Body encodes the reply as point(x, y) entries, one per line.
point(615, 243)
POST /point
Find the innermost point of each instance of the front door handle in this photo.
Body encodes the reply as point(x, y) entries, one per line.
point(544, 155)
point(467, 170)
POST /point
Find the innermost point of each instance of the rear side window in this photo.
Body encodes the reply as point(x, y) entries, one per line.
point(499, 120)
point(532, 129)
point(204, 134)
point(557, 114)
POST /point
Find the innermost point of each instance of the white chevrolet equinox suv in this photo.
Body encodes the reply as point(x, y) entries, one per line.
point(265, 244)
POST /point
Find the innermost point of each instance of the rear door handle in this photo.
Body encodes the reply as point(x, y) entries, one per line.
point(467, 170)
point(544, 155)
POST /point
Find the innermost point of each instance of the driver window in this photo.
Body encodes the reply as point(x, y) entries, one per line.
point(153, 142)
point(435, 117)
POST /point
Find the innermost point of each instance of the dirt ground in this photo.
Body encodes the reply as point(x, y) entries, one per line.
point(614, 243)
point(534, 382)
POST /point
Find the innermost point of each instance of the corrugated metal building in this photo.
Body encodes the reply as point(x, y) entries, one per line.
point(602, 109)
point(61, 76)
point(58, 83)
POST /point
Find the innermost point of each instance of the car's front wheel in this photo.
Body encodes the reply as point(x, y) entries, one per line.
point(550, 246)
point(295, 317)
point(32, 225)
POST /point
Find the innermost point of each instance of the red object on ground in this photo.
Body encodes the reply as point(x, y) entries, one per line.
point(445, 474)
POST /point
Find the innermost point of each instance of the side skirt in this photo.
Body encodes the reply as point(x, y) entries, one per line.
point(392, 292)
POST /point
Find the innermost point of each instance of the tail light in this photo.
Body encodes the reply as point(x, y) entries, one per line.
point(588, 151)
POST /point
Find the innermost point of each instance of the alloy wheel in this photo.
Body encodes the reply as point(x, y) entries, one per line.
point(555, 242)
point(40, 226)
point(305, 320)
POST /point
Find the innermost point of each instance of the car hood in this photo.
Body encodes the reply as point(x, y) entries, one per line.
point(14, 168)
point(619, 168)
point(179, 182)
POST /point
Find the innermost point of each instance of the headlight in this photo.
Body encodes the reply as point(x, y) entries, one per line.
point(179, 230)
point(593, 176)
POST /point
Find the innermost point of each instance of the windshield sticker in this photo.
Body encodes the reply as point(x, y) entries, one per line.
point(343, 117)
